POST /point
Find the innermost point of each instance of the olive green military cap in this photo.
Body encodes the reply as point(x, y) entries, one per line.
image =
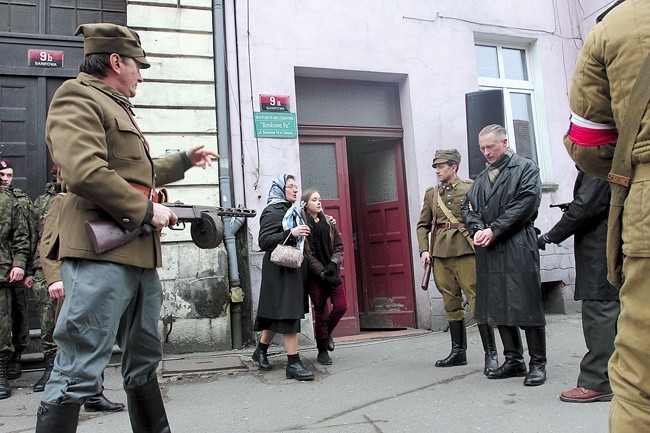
point(105, 38)
point(446, 155)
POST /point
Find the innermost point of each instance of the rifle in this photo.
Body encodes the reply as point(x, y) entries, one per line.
point(563, 206)
point(427, 269)
point(206, 227)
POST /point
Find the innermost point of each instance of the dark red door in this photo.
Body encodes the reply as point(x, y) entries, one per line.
point(386, 298)
point(323, 166)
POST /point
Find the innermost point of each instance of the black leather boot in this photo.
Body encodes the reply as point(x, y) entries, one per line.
point(59, 418)
point(513, 350)
point(146, 408)
point(323, 355)
point(295, 369)
point(99, 403)
point(5, 389)
point(14, 370)
point(48, 360)
point(330, 342)
point(489, 346)
point(260, 357)
point(536, 340)
point(458, 354)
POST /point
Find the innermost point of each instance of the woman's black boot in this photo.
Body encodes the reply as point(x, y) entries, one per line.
point(489, 346)
point(295, 369)
point(260, 357)
point(458, 354)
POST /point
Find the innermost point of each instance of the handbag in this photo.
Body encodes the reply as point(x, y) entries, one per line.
point(286, 255)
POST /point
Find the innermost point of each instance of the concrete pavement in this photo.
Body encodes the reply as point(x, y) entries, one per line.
point(381, 385)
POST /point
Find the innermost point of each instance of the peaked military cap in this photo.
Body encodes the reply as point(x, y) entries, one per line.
point(105, 38)
point(446, 155)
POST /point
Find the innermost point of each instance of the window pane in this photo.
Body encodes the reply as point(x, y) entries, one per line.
point(522, 119)
point(318, 169)
point(487, 64)
point(514, 64)
point(381, 184)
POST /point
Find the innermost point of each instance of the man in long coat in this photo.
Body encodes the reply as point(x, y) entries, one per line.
point(109, 174)
point(586, 220)
point(500, 209)
point(608, 66)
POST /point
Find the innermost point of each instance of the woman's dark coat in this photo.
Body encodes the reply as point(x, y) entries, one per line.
point(282, 292)
point(586, 220)
point(508, 287)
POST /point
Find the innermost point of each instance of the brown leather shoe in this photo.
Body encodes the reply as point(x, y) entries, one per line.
point(581, 394)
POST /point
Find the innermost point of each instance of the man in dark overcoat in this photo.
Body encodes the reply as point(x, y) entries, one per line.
point(500, 209)
point(109, 174)
point(586, 219)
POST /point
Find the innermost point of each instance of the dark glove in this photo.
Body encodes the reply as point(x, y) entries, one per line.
point(332, 281)
point(331, 269)
point(542, 241)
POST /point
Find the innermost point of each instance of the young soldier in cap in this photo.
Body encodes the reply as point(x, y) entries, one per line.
point(20, 327)
point(108, 172)
point(14, 253)
point(454, 266)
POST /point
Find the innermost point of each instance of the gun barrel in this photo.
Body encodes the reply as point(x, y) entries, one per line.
point(190, 213)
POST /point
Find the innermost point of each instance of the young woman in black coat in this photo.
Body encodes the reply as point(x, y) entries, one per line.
point(283, 300)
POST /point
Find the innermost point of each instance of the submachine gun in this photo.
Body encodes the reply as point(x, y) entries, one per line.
point(206, 227)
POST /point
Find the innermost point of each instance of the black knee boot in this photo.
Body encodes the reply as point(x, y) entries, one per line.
point(5, 389)
point(49, 365)
point(489, 346)
point(513, 350)
point(536, 340)
point(458, 354)
point(59, 418)
point(146, 408)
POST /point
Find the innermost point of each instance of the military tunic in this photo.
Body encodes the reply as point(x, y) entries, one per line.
point(607, 67)
point(453, 263)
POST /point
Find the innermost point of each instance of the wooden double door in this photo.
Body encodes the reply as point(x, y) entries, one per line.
point(361, 182)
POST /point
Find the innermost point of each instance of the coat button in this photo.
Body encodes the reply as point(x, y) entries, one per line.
point(126, 220)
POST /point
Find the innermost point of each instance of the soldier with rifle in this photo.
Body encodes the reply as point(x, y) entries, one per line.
point(109, 173)
point(451, 251)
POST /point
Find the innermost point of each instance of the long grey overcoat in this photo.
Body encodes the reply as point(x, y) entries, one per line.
point(282, 292)
point(508, 286)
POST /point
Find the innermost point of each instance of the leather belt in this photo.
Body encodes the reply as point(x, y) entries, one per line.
point(449, 225)
point(148, 192)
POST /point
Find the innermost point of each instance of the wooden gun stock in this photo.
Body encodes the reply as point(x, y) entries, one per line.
point(426, 277)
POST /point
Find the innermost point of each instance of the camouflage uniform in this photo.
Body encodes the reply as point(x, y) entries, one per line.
point(14, 252)
point(20, 327)
point(46, 304)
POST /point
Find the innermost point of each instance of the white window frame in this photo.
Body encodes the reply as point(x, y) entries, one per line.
point(532, 86)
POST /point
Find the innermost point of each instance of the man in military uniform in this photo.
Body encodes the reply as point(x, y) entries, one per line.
point(602, 96)
point(20, 331)
point(46, 303)
point(14, 253)
point(454, 265)
point(109, 174)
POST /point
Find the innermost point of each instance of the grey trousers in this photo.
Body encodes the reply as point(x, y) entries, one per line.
point(599, 328)
point(104, 302)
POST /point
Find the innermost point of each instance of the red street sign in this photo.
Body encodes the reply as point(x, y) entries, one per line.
point(45, 59)
point(274, 103)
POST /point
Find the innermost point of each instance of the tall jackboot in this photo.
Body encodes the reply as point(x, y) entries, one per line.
point(536, 340)
point(14, 370)
point(490, 347)
point(458, 354)
point(59, 418)
point(5, 389)
point(146, 408)
point(513, 350)
point(48, 360)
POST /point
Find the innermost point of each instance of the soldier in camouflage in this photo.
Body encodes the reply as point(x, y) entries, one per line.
point(20, 327)
point(14, 253)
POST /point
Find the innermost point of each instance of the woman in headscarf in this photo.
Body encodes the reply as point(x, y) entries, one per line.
point(324, 256)
point(283, 300)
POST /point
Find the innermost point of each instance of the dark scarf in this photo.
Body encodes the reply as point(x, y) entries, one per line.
point(495, 169)
point(319, 238)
